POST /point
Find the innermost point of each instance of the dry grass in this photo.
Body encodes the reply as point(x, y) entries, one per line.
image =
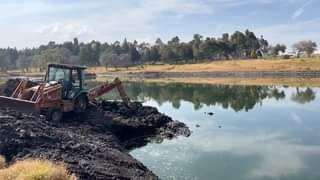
point(35, 170)
point(301, 82)
point(2, 162)
point(304, 64)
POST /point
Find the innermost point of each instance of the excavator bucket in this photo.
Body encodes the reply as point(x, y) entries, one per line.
point(17, 101)
point(20, 105)
point(107, 87)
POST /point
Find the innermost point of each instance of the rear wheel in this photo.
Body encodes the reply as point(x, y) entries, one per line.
point(55, 115)
point(81, 104)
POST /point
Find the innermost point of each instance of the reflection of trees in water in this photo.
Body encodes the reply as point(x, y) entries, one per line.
point(303, 96)
point(235, 97)
point(227, 96)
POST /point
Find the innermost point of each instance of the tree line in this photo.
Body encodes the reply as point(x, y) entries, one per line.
point(237, 45)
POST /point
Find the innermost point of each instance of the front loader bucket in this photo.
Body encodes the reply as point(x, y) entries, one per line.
point(20, 105)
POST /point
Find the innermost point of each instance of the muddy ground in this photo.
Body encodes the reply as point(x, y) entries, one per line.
point(94, 145)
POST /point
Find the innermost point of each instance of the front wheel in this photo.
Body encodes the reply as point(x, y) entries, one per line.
point(55, 115)
point(81, 104)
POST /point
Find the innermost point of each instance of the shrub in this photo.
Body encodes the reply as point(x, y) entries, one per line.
point(2, 162)
point(36, 170)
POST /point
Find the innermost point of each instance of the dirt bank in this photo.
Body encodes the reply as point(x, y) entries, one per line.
point(216, 74)
point(94, 145)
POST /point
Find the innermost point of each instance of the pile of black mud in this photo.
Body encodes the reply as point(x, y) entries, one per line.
point(94, 145)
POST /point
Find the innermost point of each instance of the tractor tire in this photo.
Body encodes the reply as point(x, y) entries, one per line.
point(81, 104)
point(55, 115)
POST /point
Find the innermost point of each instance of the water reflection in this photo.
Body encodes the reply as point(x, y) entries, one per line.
point(267, 132)
point(303, 96)
point(238, 98)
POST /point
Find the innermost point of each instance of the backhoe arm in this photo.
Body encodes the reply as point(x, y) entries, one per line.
point(107, 87)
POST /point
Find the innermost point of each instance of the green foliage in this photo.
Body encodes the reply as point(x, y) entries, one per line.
point(254, 54)
point(235, 46)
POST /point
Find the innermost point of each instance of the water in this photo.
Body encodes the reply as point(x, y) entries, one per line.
point(255, 133)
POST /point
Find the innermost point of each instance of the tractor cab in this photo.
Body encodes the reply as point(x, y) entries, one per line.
point(70, 77)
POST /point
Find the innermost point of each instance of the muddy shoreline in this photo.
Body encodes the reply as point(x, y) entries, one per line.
point(208, 74)
point(216, 74)
point(94, 145)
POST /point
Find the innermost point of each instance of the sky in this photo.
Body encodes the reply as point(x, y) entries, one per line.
point(30, 23)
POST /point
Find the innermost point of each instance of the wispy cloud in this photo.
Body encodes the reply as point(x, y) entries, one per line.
point(291, 33)
point(301, 10)
point(64, 30)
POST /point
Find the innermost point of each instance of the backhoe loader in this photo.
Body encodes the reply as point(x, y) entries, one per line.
point(63, 90)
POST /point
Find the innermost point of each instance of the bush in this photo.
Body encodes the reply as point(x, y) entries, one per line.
point(2, 162)
point(36, 170)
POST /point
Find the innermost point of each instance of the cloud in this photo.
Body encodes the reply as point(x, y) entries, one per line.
point(45, 20)
point(291, 33)
point(300, 10)
point(63, 31)
point(66, 30)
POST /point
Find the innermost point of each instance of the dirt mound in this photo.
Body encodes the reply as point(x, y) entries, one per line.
point(141, 121)
point(91, 145)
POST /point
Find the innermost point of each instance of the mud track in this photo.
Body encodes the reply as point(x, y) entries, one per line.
point(94, 145)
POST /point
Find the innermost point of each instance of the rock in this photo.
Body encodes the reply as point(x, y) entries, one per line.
point(210, 113)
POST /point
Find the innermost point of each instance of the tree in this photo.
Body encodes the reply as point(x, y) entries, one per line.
point(134, 54)
point(167, 54)
point(305, 46)
point(24, 62)
point(145, 55)
point(274, 51)
point(125, 46)
point(55, 55)
point(238, 40)
point(185, 51)
point(95, 53)
point(109, 58)
point(159, 43)
point(76, 48)
point(124, 60)
point(154, 54)
point(236, 45)
point(196, 46)
point(84, 55)
point(263, 45)
point(251, 43)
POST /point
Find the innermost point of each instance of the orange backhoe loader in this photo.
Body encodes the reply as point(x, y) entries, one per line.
point(63, 90)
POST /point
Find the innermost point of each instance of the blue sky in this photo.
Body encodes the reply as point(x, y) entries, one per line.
point(28, 23)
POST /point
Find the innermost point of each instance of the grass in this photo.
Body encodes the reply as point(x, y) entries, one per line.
point(302, 64)
point(35, 170)
point(305, 64)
